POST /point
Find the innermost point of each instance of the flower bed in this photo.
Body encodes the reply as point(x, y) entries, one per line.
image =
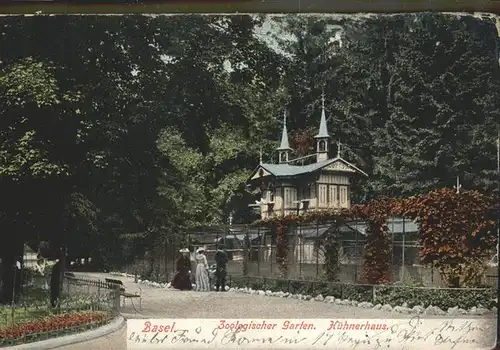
point(51, 326)
point(383, 294)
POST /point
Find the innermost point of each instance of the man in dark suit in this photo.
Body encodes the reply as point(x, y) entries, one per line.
point(55, 283)
point(221, 260)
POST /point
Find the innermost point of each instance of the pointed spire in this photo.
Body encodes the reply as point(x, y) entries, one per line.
point(260, 156)
point(323, 130)
point(339, 149)
point(284, 136)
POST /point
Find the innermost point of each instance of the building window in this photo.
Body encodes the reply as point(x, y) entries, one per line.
point(283, 157)
point(323, 195)
point(290, 197)
point(343, 196)
point(322, 146)
point(333, 199)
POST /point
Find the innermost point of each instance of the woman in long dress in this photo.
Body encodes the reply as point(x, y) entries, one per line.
point(182, 278)
point(202, 280)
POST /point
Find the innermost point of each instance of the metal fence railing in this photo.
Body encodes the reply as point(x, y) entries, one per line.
point(83, 304)
point(95, 295)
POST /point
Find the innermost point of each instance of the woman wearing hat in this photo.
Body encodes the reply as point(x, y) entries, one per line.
point(202, 280)
point(182, 278)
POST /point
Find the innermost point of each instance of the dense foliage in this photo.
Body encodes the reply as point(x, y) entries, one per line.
point(457, 233)
point(117, 133)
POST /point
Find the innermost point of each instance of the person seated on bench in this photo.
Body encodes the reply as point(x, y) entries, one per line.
point(182, 278)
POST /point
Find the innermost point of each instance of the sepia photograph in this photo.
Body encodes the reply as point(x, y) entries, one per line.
point(249, 166)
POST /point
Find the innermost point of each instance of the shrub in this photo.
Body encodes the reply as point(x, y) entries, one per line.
point(443, 298)
point(394, 295)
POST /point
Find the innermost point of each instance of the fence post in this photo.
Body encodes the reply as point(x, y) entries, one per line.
point(259, 251)
point(317, 249)
point(301, 248)
point(116, 300)
point(245, 253)
point(374, 294)
point(342, 291)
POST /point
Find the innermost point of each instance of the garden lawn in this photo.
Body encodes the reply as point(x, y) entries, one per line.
point(35, 305)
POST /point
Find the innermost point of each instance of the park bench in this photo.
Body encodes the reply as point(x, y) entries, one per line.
point(124, 294)
point(73, 280)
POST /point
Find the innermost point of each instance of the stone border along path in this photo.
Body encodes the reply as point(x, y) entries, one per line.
point(169, 303)
point(416, 310)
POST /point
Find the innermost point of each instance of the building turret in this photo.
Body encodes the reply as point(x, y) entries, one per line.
point(322, 137)
point(284, 148)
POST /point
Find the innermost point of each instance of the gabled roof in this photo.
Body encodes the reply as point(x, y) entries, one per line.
point(287, 170)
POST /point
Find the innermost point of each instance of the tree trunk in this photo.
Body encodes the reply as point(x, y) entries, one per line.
point(165, 262)
point(64, 263)
point(10, 275)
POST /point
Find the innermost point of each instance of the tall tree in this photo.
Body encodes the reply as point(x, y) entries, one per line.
point(443, 107)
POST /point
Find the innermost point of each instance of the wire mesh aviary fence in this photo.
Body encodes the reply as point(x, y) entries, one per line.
point(252, 251)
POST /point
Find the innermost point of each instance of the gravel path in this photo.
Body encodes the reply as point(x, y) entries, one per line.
point(163, 303)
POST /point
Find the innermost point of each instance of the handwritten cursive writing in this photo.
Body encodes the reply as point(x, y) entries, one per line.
point(183, 336)
point(233, 337)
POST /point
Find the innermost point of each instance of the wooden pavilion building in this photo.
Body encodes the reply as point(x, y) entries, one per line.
point(288, 187)
point(293, 186)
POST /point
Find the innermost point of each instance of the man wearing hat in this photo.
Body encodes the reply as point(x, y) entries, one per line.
point(221, 260)
point(182, 278)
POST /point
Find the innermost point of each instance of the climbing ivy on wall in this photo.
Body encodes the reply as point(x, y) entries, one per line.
point(377, 255)
point(457, 232)
point(332, 247)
